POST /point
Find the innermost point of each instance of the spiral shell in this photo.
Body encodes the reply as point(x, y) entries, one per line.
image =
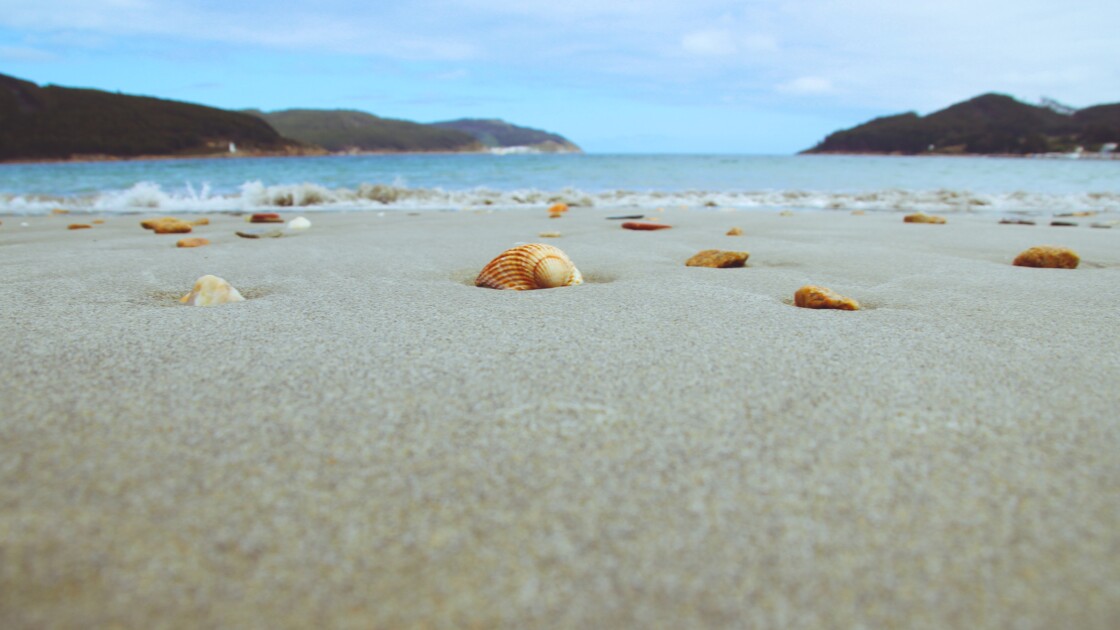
point(530, 266)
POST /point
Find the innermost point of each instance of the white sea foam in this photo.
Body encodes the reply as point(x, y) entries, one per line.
point(256, 196)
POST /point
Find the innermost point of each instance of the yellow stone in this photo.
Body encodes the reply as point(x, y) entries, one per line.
point(718, 259)
point(1049, 257)
point(811, 296)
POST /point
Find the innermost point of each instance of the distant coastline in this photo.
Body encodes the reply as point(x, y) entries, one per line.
point(61, 124)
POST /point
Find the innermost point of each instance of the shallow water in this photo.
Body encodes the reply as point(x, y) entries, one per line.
point(468, 181)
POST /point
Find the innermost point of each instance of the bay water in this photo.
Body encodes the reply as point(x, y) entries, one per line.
point(455, 182)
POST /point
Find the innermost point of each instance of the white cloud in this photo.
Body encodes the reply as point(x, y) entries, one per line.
point(709, 43)
point(806, 85)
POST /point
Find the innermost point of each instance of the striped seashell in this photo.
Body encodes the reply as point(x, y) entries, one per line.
point(530, 266)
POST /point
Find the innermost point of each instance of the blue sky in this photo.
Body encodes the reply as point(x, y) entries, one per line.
point(690, 76)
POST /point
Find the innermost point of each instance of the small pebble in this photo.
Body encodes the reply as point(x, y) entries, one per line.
point(166, 225)
point(299, 223)
point(78, 226)
point(921, 217)
point(550, 235)
point(735, 231)
point(718, 259)
point(634, 225)
point(810, 296)
point(626, 216)
point(192, 242)
point(266, 217)
point(1048, 257)
point(1015, 222)
point(1063, 224)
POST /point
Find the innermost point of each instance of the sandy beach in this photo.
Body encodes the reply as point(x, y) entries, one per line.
point(370, 441)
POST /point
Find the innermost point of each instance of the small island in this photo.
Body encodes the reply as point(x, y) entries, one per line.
point(989, 124)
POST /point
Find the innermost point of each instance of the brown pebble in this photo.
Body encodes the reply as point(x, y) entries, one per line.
point(921, 217)
point(98, 221)
point(1049, 257)
point(735, 231)
point(78, 226)
point(1104, 226)
point(201, 221)
point(1063, 224)
point(550, 235)
point(557, 210)
point(1015, 222)
point(192, 242)
point(858, 213)
point(810, 296)
point(166, 225)
point(265, 217)
point(60, 211)
point(637, 225)
point(718, 259)
point(172, 227)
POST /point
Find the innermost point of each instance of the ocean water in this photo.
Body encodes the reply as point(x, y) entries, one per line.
point(471, 181)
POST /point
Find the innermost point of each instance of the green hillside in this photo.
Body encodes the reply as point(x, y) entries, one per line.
point(987, 124)
point(346, 130)
point(55, 122)
point(500, 134)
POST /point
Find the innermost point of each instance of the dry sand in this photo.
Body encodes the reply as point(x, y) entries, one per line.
point(371, 442)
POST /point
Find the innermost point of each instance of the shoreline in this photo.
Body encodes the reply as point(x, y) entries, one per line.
point(371, 440)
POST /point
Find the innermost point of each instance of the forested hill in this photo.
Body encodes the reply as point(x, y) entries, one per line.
point(988, 124)
point(60, 123)
point(347, 130)
point(501, 134)
point(55, 122)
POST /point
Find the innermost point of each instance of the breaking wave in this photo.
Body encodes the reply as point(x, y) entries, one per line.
point(255, 196)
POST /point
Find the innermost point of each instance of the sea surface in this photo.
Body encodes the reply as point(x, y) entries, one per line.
point(387, 183)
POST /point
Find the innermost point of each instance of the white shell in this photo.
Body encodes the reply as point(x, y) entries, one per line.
point(529, 266)
point(211, 291)
point(299, 223)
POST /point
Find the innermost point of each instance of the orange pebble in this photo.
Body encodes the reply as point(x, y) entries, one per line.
point(192, 242)
point(810, 296)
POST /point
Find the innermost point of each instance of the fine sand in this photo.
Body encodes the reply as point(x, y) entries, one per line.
point(369, 441)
